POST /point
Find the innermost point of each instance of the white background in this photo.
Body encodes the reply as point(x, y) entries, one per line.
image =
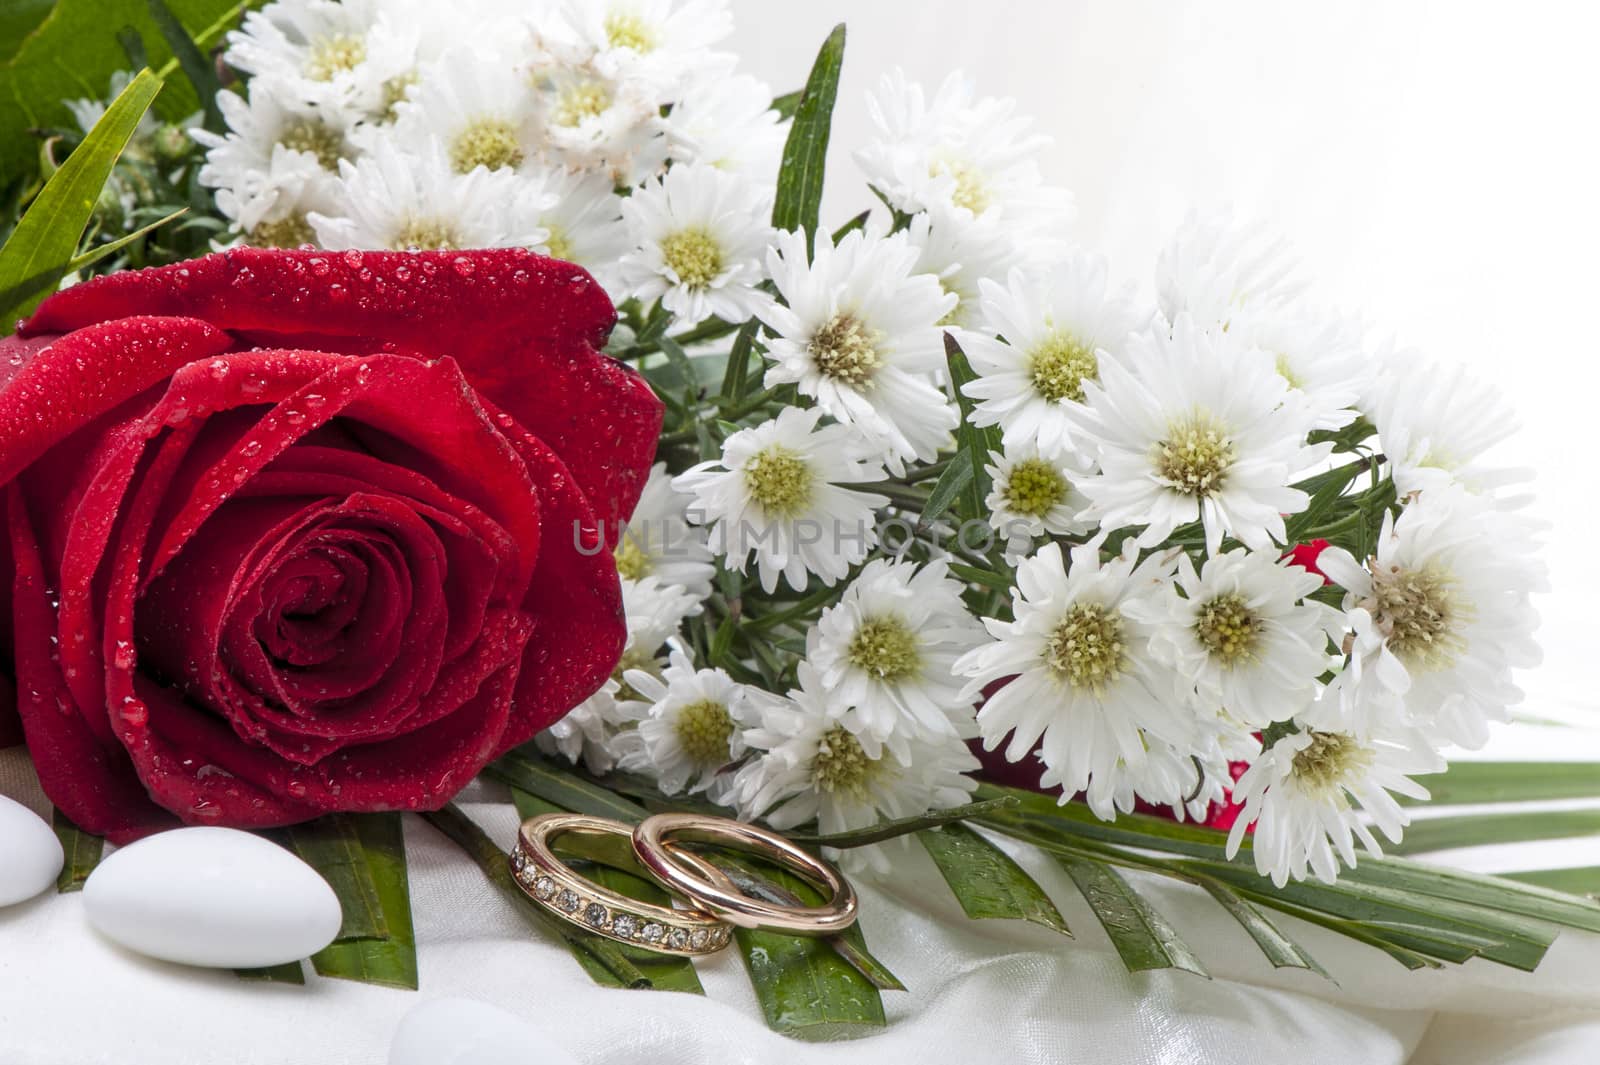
point(1434, 163)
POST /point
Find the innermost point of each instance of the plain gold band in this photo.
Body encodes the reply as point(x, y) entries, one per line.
point(551, 883)
point(655, 844)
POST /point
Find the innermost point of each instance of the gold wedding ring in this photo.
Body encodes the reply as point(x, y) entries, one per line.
point(553, 884)
point(657, 844)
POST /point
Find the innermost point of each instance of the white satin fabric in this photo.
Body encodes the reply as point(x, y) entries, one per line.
point(992, 991)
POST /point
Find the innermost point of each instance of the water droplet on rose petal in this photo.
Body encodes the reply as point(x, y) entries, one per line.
point(250, 448)
point(463, 266)
point(125, 656)
point(352, 257)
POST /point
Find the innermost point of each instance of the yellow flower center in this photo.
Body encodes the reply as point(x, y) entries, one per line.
point(1034, 488)
point(1060, 364)
point(486, 142)
point(291, 231)
point(317, 137)
point(1423, 611)
point(395, 91)
point(703, 728)
point(426, 234)
point(1328, 760)
point(559, 244)
point(1227, 629)
point(633, 658)
point(334, 54)
point(1086, 649)
point(970, 190)
point(887, 648)
point(632, 560)
point(845, 350)
point(624, 29)
point(779, 480)
point(1195, 456)
point(580, 100)
point(694, 255)
point(841, 766)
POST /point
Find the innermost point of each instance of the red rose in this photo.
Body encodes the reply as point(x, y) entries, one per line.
point(1305, 556)
point(295, 532)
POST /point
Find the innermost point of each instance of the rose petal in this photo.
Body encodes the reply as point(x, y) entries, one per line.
point(523, 328)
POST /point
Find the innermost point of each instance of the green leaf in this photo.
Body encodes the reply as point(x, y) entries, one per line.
point(955, 478)
point(1442, 833)
point(81, 849)
point(333, 847)
point(736, 371)
point(973, 444)
point(805, 154)
point(1475, 782)
point(47, 237)
point(18, 18)
point(858, 222)
point(901, 826)
point(786, 104)
point(986, 881)
point(614, 856)
point(525, 768)
point(45, 281)
point(74, 51)
point(196, 67)
point(1281, 951)
point(287, 973)
point(1578, 881)
point(392, 961)
point(1143, 938)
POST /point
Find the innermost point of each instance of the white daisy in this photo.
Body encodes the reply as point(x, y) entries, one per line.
point(698, 234)
point(1246, 637)
point(276, 164)
point(1194, 427)
point(859, 332)
point(776, 492)
point(886, 649)
point(1191, 777)
point(477, 107)
point(1033, 494)
point(956, 151)
point(355, 56)
point(1320, 355)
point(1437, 423)
point(1054, 329)
point(728, 122)
point(963, 254)
point(659, 542)
point(1298, 794)
point(585, 226)
point(694, 726)
point(1215, 269)
point(1083, 676)
point(596, 121)
point(657, 43)
point(816, 769)
point(1440, 616)
point(392, 199)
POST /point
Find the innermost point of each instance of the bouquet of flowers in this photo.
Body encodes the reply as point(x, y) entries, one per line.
point(915, 523)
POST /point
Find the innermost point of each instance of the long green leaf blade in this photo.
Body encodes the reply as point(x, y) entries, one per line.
point(805, 154)
point(1143, 938)
point(333, 847)
point(903, 826)
point(986, 881)
point(1475, 782)
point(1280, 950)
point(392, 961)
point(973, 443)
point(1443, 833)
point(1584, 880)
point(288, 973)
point(537, 775)
point(81, 849)
point(46, 238)
point(186, 53)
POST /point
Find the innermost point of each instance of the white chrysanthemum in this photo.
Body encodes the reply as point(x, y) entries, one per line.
point(776, 492)
point(1216, 269)
point(1054, 329)
point(477, 107)
point(598, 730)
point(1033, 494)
point(596, 121)
point(1322, 356)
point(963, 254)
point(957, 151)
point(887, 648)
point(815, 768)
point(697, 235)
point(1082, 673)
point(1436, 425)
point(728, 123)
point(391, 199)
point(694, 726)
point(276, 164)
point(1188, 778)
point(1298, 794)
point(1246, 635)
point(657, 43)
point(1440, 616)
point(1194, 427)
point(585, 226)
point(355, 56)
point(859, 332)
point(659, 542)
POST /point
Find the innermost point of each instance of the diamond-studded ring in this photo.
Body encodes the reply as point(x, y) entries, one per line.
point(657, 844)
point(558, 888)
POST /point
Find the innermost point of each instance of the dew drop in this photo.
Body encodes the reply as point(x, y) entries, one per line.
point(463, 266)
